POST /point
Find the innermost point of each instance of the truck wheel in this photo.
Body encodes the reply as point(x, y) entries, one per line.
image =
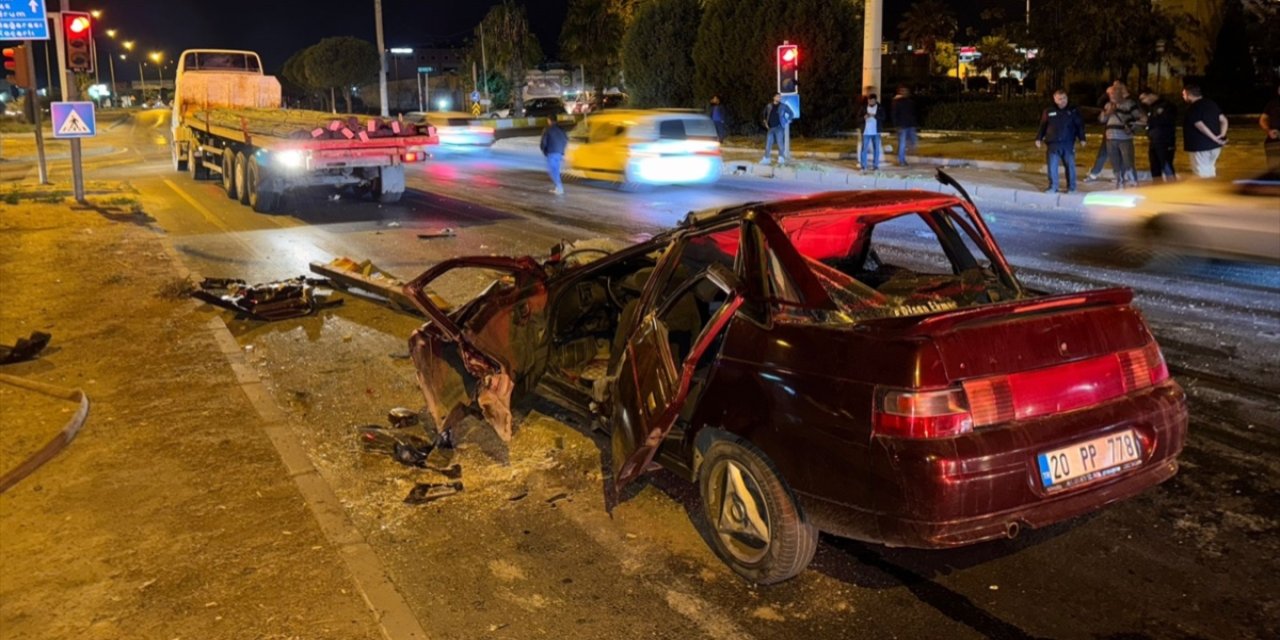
point(389, 185)
point(195, 165)
point(261, 197)
point(179, 159)
point(757, 526)
point(229, 173)
point(242, 178)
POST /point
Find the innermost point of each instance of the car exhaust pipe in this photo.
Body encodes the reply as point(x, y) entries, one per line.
point(1012, 529)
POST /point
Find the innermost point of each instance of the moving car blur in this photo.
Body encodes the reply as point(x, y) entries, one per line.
point(1209, 218)
point(455, 129)
point(645, 148)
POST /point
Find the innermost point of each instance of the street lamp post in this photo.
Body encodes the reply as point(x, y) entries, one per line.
point(382, 59)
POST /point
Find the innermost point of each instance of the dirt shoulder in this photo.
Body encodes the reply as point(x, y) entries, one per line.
point(171, 514)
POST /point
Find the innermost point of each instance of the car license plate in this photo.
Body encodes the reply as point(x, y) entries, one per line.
point(1090, 460)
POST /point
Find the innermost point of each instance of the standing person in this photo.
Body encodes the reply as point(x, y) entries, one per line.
point(1270, 123)
point(716, 111)
point(1162, 127)
point(1120, 116)
point(872, 117)
point(554, 140)
point(777, 115)
point(1204, 131)
point(904, 118)
point(1061, 126)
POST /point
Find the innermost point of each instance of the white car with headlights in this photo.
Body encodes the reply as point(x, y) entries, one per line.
point(645, 148)
point(1238, 219)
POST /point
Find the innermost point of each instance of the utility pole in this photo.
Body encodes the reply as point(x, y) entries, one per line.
point(33, 100)
point(484, 64)
point(872, 40)
point(382, 60)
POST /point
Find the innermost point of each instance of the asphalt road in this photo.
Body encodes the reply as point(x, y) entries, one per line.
point(1194, 558)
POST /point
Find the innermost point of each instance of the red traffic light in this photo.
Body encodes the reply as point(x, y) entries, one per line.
point(77, 31)
point(790, 54)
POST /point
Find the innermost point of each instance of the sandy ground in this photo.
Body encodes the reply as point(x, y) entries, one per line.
point(128, 533)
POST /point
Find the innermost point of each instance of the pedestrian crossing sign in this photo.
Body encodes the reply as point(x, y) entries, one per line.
point(73, 120)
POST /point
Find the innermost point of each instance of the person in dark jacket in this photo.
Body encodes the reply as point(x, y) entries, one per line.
point(1061, 126)
point(553, 143)
point(1162, 127)
point(716, 112)
point(871, 117)
point(904, 119)
point(776, 117)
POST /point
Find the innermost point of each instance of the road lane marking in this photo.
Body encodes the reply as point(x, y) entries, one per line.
point(212, 218)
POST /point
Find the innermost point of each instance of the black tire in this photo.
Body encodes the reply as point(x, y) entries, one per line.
point(261, 198)
point(1159, 246)
point(195, 164)
point(229, 173)
point(179, 158)
point(242, 178)
point(757, 526)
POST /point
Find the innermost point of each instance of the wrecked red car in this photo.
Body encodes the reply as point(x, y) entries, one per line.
point(861, 363)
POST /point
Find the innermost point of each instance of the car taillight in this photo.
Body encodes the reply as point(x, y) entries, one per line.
point(1066, 387)
point(412, 156)
point(914, 413)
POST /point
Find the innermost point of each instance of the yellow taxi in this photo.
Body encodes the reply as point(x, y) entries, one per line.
point(645, 148)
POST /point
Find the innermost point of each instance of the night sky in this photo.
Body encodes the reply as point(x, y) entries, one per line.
point(277, 28)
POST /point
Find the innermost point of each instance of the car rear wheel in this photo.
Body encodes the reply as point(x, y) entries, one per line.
point(756, 524)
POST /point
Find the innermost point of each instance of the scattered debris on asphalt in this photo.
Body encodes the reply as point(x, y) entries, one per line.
point(519, 496)
point(425, 492)
point(403, 418)
point(279, 300)
point(557, 498)
point(446, 232)
point(357, 277)
point(25, 348)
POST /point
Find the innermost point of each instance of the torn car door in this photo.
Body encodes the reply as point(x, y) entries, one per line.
point(658, 368)
point(480, 354)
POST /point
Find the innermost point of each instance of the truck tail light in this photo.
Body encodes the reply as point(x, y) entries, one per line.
point(412, 156)
point(920, 413)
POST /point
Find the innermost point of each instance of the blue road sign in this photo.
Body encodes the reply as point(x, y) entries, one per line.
point(792, 100)
point(73, 119)
point(475, 96)
point(23, 20)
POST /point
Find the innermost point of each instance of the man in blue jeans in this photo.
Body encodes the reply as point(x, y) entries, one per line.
point(904, 118)
point(777, 115)
point(1061, 126)
point(554, 140)
point(871, 116)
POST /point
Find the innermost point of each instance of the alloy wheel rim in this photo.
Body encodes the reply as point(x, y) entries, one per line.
point(739, 513)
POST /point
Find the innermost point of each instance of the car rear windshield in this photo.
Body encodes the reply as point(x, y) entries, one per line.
point(686, 129)
point(894, 265)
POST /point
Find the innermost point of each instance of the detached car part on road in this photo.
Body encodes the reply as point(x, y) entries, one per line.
point(809, 376)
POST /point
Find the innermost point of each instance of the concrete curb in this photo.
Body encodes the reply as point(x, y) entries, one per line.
point(845, 179)
point(993, 165)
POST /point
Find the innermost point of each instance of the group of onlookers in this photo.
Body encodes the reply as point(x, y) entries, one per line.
point(1204, 134)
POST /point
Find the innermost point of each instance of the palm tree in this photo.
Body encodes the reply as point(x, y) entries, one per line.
point(927, 23)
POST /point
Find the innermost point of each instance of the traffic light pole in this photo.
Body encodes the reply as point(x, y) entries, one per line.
point(68, 82)
point(33, 99)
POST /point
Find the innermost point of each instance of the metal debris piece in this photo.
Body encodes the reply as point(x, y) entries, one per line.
point(279, 300)
point(401, 418)
point(446, 232)
point(25, 348)
point(364, 276)
point(425, 492)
